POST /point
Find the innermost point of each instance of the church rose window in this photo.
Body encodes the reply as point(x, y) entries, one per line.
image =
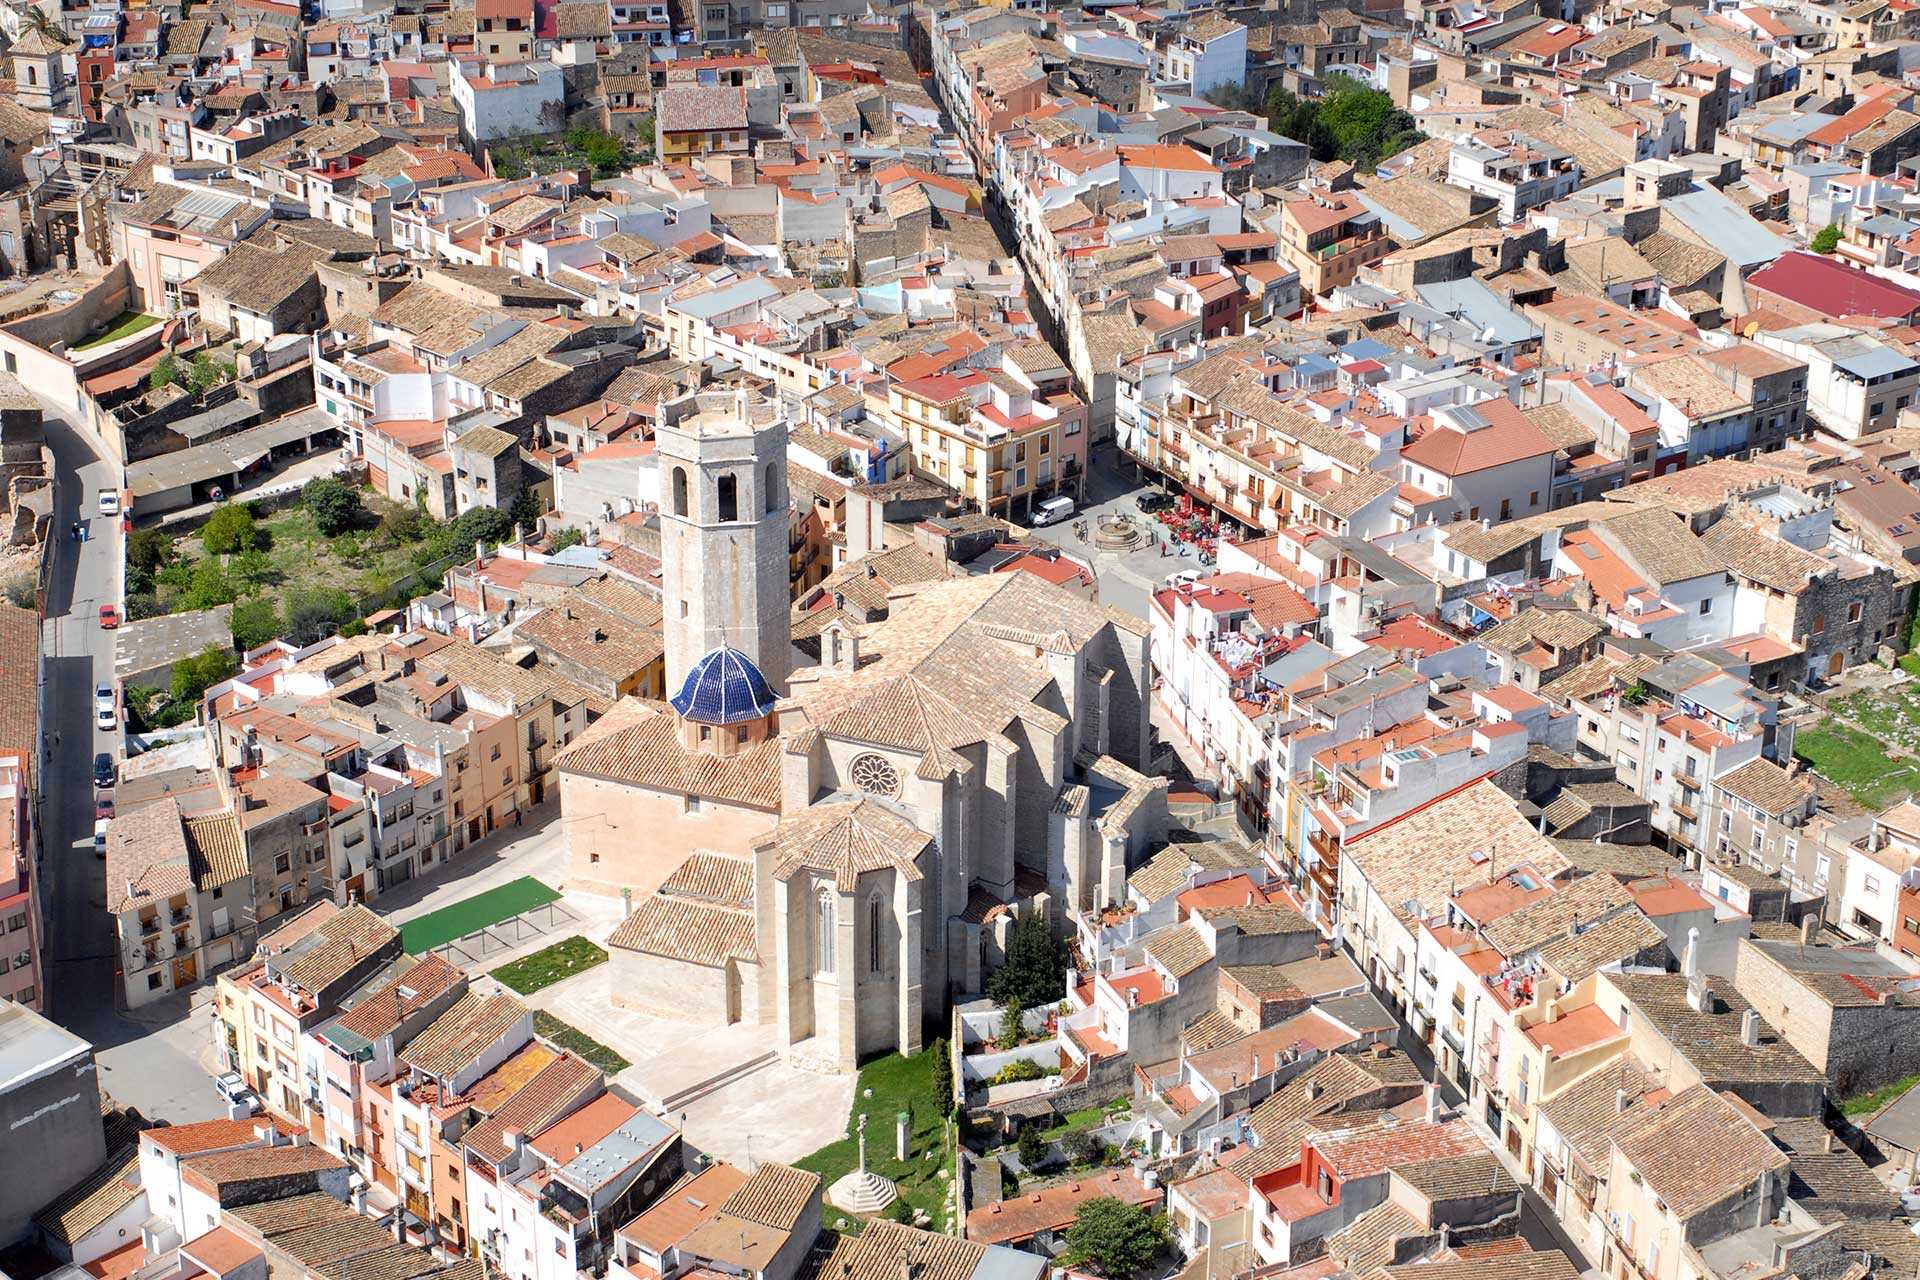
point(873, 775)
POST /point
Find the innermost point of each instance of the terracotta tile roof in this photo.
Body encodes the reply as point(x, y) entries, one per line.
point(1171, 870)
point(714, 878)
point(565, 1084)
point(774, 1195)
point(1766, 786)
point(220, 1168)
point(846, 840)
point(1178, 948)
point(90, 1202)
point(1412, 861)
point(688, 1203)
point(639, 743)
point(206, 1135)
point(456, 1038)
point(1695, 1150)
point(1508, 437)
point(683, 929)
point(1025, 1216)
point(382, 1012)
point(1547, 1264)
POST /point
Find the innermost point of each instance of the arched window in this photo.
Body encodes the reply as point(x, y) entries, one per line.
point(771, 500)
point(875, 922)
point(729, 494)
point(823, 944)
point(679, 491)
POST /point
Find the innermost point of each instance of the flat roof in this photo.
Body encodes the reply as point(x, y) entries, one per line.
point(31, 1046)
point(225, 456)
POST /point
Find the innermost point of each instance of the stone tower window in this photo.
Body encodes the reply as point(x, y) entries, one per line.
point(874, 918)
point(679, 491)
point(823, 949)
point(773, 489)
point(873, 774)
point(728, 490)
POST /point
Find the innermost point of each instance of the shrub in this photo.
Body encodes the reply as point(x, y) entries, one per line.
point(1035, 971)
point(143, 604)
point(148, 549)
point(334, 503)
point(207, 373)
point(567, 537)
point(1113, 1238)
point(209, 586)
point(194, 676)
point(478, 524)
point(315, 615)
point(1012, 1032)
point(229, 529)
point(1032, 1148)
point(21, 591)
point(165, 370)
point(1825, 240)
point(1018, 1070)
point(254, 623)
point(942, 1077)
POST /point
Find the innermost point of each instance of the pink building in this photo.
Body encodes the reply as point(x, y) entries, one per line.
point(20, 921)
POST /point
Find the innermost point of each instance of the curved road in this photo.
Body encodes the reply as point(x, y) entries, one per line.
point(151, 1061)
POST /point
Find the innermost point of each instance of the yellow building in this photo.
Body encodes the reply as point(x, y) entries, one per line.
point(700, 120)
point(296, 981)
point(1000, 441)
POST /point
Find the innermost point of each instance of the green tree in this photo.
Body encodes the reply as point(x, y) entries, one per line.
point(143, 604)
point(1035, 970)
point(526, 510)
point(567, 537)
point(1032, 1148)
point(207, 373)
point(209, 586)
point(165, 370)
point(1012, 1032)
point(942, 1078)
point(315, 615)
point(479, 524)
point(1826, 239)
point(147, 550)
point(1115, 1239)
point(334, 504)
point(229, 529)
point(252, 569)
point(254, 623)
point(194, 676)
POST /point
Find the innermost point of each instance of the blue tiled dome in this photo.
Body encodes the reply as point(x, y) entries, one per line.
point(725, 688)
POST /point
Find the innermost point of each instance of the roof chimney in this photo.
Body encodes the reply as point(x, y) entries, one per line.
point(1807, 923)
point(1619, 1101)
point(1750, 1028)
point(1690, 961)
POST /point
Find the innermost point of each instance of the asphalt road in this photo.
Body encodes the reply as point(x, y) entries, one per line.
point(151, 1062)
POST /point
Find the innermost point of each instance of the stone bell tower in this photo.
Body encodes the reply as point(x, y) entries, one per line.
point(723, 532)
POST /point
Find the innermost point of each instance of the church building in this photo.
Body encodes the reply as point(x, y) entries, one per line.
point(819, 848)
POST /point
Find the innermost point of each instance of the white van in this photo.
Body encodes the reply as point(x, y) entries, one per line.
point(1053, 511)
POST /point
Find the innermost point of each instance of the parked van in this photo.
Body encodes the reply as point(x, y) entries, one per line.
point(1053, 511)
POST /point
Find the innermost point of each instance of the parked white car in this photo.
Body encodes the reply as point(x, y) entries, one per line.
point(109, 502)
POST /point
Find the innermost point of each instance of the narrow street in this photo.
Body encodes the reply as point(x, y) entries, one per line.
point(159, 1073)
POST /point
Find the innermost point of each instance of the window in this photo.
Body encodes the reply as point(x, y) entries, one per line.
point(823, 942)
point(496, 752)
point(727, 492)
point(679, 491)
point(153, 982)
point(1706, 606)
point(769, 501)
point(1819, 626)
point(876, 922)
point(1854, 611)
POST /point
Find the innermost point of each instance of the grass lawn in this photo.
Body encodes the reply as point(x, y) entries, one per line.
point(1865, 1104)
point(574, 1040)
point(124, 325)
point(898, 1084)
point(550, 965)
point(1856, 762)
point(473, 914)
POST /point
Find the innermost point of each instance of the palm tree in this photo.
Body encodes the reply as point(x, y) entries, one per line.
point(45, 24)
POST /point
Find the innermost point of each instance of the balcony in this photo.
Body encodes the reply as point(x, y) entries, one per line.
point(149, 925)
